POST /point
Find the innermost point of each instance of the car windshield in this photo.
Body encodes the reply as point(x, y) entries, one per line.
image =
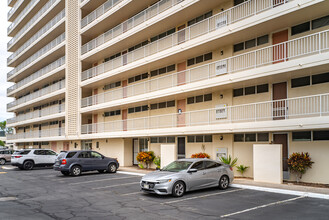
point(177, 166)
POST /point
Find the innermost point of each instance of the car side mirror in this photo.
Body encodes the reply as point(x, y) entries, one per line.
point(192, 170)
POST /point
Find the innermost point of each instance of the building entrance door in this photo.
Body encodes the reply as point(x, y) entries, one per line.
point(283, 139)
point(139, 145)
point(279, 98)
point(181, 147)
point(86, 145)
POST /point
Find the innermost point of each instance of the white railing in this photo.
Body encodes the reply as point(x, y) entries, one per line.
point(308, 45)
point(301, 107)
point(36, 36)
point(38, 74)
point(22, 15)
point(37, 114)
point(9, 2)
point(138, 19)
point(45, 91)
point(54, 132)
point(92, 16)
point(13, 9)
point(31, 22)
point(213, 23)
point(57, 41)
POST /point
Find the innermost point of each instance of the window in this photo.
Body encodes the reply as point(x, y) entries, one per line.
point(320, 22)
point(171, 139)
point(199, 139)
point(300, 28)
point(171, 104)
point(211, 164)
point(301, 136)
point(200, 18)
point(262, 88)
point(95, 155)
point(154, 106)
point(70, 155)
point(190, 100)
point(250, 90)
point(154, 140)
point(320, 78)
point(250, 43)
point(237, 92)
point(237, 2)
point(85, 154)
point(198, 165)
point(138, 77)
point(238, 137)
point(208, 138)
point(321, 135)
point(112, 85)
point(250, 137)
point(138, 109)
point(207, 97)
point(238, 47)
point(199, 59)
point(262, 40)
point(50, 152)
point(190, 139)
point(162, 139)
point(39, 152)
point(162, 35)
point(262, 137)
point(163, 105)
point(112, 113)
point(302, 81)
point(163, 70)
point(200, 98)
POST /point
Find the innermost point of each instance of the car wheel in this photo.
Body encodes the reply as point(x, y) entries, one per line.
point(76, 171)
point(28, 165)
point(112, 168)
point(178, 189)
point(101, 171)
point(65, 173)
point(224, 182)
point(2, 161)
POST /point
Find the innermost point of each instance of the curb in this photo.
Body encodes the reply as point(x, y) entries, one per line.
point(283, 191)
point(131, 173)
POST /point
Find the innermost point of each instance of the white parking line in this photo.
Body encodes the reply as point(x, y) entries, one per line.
point(262, 206)
point(4, 199)
point(8, 168)
point(125, 184)
point(128, 194)
point(203, 196)
point(92, 181)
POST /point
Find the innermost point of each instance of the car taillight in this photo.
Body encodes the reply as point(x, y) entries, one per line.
point(63, 161)
point(18, 156)
point(231, 168)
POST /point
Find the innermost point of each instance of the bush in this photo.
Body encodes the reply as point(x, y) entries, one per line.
point(145, 157)
point(200, 155)
point(229, 161)
point(241, 169)
point(298, 163)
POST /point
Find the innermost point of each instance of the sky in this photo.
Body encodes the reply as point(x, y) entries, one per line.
point(3, 62)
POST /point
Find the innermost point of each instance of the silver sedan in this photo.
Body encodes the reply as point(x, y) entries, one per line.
point(185, 175)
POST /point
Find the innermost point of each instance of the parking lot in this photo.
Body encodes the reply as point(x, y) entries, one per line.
point(46, 194)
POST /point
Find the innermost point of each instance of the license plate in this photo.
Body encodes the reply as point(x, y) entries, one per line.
point(146, 186)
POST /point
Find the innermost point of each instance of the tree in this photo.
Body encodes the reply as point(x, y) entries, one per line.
point(4, 128)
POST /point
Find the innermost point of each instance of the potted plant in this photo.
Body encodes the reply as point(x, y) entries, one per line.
point(298, 163)
point(145, 157)
point(157, 162)
point(200, 155)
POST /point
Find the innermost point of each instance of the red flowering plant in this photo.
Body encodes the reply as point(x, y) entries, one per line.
point(200, 155)
point(298, 163)
point(146, 157)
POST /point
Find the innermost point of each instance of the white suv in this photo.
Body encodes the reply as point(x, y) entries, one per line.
point(28, 158)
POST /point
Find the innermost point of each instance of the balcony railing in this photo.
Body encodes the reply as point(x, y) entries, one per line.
point(54, 132)
point(308, 45)
point(22, 15)
point(38, 74)
point(213, 23)
point(32, 21)
point(285, 109)
point(57, 41)
point(9, 2)
point(138, 19)
point(38, 35)
point(99, 12)
point(37, 114)
point(13, 9)
point(45, 91)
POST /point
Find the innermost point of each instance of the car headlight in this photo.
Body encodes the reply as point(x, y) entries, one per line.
point(164, 181)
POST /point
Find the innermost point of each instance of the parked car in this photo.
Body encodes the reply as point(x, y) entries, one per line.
point(5, 156)
point(75, 162)
point(185, 175)
point(27, 159)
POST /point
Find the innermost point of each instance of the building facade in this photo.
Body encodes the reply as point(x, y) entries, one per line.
point(178, 76)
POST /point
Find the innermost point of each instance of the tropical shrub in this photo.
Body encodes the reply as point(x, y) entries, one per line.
point(241, 169)
point(157, 162)
point(200, 155)
point(146, 157)
point(229, 160)
point(298, 163)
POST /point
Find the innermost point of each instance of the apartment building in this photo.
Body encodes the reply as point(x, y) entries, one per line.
point(173, 76)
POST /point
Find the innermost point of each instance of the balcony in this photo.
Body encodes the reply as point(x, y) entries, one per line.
point(38, 114)
point(279, 110)
point(11, 2)
point(32, 22)
point(36, 56)
point(36, 37)
point(108, 5)
point(37, 75)
point(42, 92)
point(51, 133)
point(19, 18)
point(14, 9)
point(206, 26)
point(271, 55)
point(138, 19)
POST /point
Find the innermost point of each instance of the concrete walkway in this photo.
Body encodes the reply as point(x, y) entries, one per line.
point(286, 188)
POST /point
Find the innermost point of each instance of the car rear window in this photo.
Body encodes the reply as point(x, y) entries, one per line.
point(70, 154)
point(61, 155)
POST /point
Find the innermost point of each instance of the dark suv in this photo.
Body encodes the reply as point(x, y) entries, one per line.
point(75, 162)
